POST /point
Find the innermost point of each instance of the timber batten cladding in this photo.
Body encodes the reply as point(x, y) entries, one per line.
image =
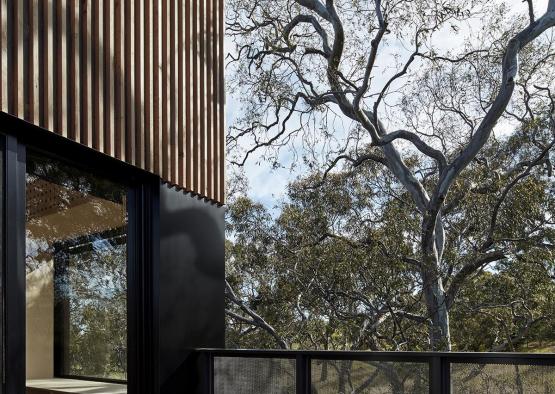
point(139, 80)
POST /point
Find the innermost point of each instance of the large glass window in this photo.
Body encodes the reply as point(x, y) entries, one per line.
point(76, 270)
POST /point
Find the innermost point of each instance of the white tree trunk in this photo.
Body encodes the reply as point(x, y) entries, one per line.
point(432, 284)
point(434, 297)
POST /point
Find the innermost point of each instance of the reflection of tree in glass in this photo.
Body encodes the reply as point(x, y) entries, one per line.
point(73, 180)
point(78, 222)
point(64, 203)
point(95, 287)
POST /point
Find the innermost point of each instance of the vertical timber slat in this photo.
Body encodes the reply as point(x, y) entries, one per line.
point(195, 185)
point(20, 62)
point(173, 94)
point(209, 122)
point(108, 98)
point(4, 55)
point(129, 81)
point(215, 98)
point(188, 100)
point(180, 92)
point(36, 5)
point(84, 62)
point(119, 107)
point(165, 91)
point(139, 64)
point(221, 102)
point(202, 96)
point(155, 85)
point(97, 71)
point(28, 60)
point(147, 85)
point(57, 24)
point(139, 80)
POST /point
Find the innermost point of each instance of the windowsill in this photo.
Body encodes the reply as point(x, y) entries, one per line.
point(57, 385)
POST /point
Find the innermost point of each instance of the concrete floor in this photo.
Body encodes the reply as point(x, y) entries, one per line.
point(56, 386)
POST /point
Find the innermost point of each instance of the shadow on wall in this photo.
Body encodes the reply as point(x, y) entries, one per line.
point(192, 271)
point(75, 68)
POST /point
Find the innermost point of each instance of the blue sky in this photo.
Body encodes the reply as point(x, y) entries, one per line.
point(268, 185)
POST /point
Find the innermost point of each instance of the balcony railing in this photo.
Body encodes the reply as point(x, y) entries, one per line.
point(327, 372)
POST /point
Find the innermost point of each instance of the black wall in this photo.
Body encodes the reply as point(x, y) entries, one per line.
point(191, 285)
point(175, 282)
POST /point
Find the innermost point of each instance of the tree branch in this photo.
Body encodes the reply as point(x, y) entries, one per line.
point(468, 270)
point(418, 143)
point(481, 136)
point(529, 166)
point(255, 319)
point(319, 29)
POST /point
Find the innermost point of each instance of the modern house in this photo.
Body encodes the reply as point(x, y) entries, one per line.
point(112, 185)
point(112, 225)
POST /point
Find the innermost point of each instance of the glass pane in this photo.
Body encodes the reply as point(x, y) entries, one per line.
point(254, 375)
point(76, 273)
point(371, 377)
point(502, 378)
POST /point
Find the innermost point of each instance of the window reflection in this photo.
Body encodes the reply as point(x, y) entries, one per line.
point(76, 273)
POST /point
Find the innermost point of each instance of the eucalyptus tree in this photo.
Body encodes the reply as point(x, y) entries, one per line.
point(415, 87)
point(330, 271)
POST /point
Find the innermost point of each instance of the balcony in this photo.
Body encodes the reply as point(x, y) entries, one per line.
point(327, 372)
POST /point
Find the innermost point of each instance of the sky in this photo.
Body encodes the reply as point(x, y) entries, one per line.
point(268, 185)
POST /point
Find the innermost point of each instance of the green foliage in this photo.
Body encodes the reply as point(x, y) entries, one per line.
point(336, 268)
point(97, 295)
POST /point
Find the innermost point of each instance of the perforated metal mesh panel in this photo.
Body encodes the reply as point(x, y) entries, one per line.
point(347, 376)
point(238, 375)
point(502, 379)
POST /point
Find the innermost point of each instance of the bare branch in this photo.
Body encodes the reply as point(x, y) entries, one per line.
point(479, 139)
point(468, 270)
point(355, 162)
point(316, 6)
point(319, 29)
point(530, 10)
point(541, 159)
point(374, 44)
point(418, 143)
point(255, 319)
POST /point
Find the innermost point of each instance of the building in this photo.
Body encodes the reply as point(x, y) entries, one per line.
point(112, 225)
point(112, 185)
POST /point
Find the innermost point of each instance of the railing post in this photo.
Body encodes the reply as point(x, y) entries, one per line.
point(209, 374)
point(446, 375)
point(200, 373)
point(440, 379)
point(302, 374)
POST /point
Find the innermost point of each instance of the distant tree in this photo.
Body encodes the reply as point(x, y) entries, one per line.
point(336, 268)
point(371, 84)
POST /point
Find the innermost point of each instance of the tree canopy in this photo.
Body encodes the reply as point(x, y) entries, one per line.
point(337, 267)
point(427, 128)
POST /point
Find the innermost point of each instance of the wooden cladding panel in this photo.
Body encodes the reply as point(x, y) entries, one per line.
point(139, 80)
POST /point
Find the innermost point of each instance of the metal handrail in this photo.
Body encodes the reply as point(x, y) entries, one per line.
point(439, 363)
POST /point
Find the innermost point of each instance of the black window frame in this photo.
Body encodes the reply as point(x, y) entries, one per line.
point(62, 250)
point(18, 136)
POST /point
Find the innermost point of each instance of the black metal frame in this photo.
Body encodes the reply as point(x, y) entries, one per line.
point(2, 259)
point(142, 286)
point(62, 250)
point(14, 265)
point(18, 136)
point(439, 363)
